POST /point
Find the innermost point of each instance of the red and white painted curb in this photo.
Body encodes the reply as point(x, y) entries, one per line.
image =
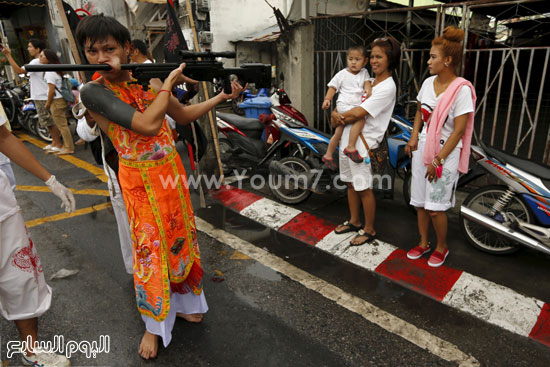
point(496, 304)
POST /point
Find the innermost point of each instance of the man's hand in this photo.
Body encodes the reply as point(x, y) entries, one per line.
point(5, 50)
point(236, 90)
point(66, 196)
point(174, 76)
point(326, 104)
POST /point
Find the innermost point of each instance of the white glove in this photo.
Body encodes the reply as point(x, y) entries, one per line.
point(63, 193)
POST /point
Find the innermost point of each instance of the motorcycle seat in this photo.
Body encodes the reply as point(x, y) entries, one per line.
point(536, 169)
point(242, 123)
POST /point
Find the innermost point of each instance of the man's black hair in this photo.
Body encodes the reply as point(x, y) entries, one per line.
point(95, 28)
point(37, 43)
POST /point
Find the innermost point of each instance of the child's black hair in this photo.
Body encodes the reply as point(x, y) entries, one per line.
point(95, 28)
point(359, 48)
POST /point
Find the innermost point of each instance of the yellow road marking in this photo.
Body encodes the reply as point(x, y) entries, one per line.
point(96, 171)
point(78, 192)
point(76, 213)
point(239, 256)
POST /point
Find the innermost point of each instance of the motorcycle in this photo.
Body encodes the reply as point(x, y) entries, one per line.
point(30, 119)
point(11, 102)
point(249, 142)
point(313, 175)
point(499, 219)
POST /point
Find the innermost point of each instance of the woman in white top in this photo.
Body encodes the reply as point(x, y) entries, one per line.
point(433, 185)
point(56, 103)
point(376, 110)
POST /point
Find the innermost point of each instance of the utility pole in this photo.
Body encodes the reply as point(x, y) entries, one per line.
point(69, 34)
point(204, 89)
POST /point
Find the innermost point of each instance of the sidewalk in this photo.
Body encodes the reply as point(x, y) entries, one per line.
point(486, 300)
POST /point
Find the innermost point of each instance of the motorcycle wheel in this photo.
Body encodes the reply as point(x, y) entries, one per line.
point(225, 152)
point(235, 105)
point(10, 109)
point(407, 191)
point(483, 238)
point(42, 132)
point(291, 195)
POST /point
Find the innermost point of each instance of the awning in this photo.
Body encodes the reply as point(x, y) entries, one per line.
point(9, 6)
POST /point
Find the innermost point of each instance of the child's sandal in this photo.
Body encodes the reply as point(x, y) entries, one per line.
point(354, 156)
point(331, 164)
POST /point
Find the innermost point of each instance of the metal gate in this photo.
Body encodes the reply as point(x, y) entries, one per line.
point(513, 106)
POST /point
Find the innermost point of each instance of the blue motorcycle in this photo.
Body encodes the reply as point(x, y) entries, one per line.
point(293, 178)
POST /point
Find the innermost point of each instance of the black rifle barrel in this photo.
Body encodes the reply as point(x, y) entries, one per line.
point(90, 67)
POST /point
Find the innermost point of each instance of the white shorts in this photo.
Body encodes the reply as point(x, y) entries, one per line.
point(358, 174)
point(436, 196)
point(24, 293)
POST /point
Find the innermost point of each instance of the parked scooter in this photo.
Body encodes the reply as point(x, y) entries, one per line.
point(9, 96)
point(499, 219)
point(251, 143)
point(310, 174)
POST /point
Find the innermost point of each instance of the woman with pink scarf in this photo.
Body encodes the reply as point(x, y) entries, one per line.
point(440, 142)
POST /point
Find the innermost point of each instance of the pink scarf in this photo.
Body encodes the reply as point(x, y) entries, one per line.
point(439, 115)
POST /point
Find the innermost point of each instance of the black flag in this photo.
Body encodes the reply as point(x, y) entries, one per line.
point(173, 38)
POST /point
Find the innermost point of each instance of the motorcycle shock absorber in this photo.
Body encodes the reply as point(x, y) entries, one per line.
point(502, 201)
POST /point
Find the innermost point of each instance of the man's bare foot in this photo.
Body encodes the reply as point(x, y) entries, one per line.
point(194, 317)
point(149, 345)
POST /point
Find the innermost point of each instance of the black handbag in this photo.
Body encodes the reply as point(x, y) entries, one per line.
point(378, 156)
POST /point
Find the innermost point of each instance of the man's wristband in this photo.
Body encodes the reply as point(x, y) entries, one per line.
point(165, 90)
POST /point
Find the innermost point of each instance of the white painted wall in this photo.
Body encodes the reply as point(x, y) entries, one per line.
point(231, 20)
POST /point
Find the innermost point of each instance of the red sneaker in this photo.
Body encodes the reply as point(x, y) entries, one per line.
point(417, 252)
point(437, 259)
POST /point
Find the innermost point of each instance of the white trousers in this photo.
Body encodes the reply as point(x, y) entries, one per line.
point(122, 221)
point(188, 303)
point(24, 293)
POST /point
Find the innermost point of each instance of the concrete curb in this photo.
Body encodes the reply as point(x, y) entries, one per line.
point(488, 301)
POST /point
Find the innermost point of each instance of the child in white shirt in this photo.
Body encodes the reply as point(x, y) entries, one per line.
point(353, 86)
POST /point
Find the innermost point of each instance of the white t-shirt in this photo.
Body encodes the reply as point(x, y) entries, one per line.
point(39, 88)
point(349, 87)
point(462, 104)
point(51, 77)
point(8, 204)
point(380, 108)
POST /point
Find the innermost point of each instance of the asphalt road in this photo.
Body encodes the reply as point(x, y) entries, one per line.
point(258, 316)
